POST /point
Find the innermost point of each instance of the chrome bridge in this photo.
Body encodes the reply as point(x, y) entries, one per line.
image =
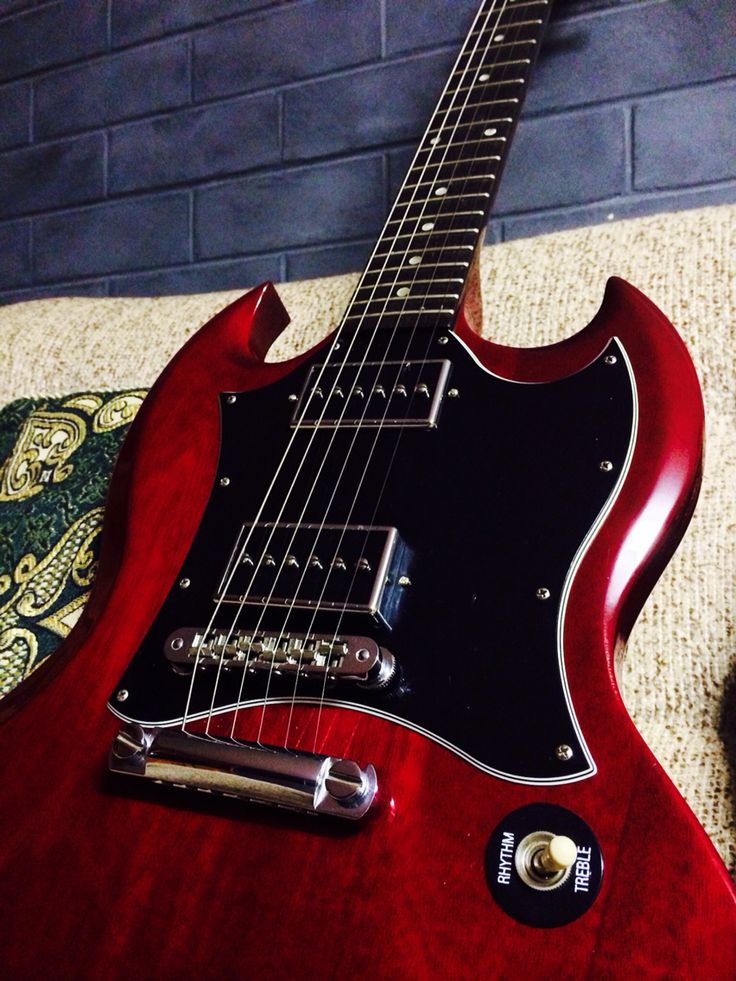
point(374, 394)
point(298, 781)
point(343, 659)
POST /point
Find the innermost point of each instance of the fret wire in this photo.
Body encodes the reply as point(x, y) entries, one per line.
point(441, 279)
point(395, 313)
point(475, 122)
point(440, 231)
point(499, 45)
point(504, 27)
point(433, 248)
point(446, 197)
point(459, 143)
point(491, 82)
point(435, 265)
point(505, 64)
point(453, 214)
point(446, 180)
point(479, 105)
point(420, 299)
point(474, 159)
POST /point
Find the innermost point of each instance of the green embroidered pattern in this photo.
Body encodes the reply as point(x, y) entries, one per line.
point(56, 457)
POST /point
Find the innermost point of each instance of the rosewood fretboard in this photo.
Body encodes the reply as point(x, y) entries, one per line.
point(418, 269)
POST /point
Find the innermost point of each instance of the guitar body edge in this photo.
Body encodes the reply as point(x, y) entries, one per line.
point(100, 879)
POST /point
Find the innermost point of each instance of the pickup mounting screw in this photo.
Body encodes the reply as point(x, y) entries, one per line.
point(185, 583)
point(404, 581)
point(563, 752)
point(224, 481)
point(610, 359)
point(543, 593)
point(122, 695)
point(605, 466)
point(293, 398)
point(230, 399)
point(442, 339)
point(453, 393)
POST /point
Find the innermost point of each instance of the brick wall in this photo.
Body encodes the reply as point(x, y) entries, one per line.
point(159, 146)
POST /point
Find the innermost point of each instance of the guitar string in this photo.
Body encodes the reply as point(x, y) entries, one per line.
point(342, 366)
point(446, 109)
point(462, 76)
point(270, 597)
point(469, 70)
point(458, 77)
point(242, 551)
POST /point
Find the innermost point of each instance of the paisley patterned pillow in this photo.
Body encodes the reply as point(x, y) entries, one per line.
point(56, 457)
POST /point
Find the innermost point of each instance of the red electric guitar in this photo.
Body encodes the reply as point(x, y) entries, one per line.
point(367, 602)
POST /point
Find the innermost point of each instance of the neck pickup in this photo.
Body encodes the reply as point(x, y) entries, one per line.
point(373, 394)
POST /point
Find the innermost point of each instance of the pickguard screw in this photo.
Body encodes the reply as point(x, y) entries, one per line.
point(293, 398)
point(605, 466)
point(230, 399)
point(404, 581)
point(185, 583)
point(453, 393)
point(610, 359)
point(563, 752)
point(224, 481)
point(442, 340)
point(122, 695)
point(543, 593)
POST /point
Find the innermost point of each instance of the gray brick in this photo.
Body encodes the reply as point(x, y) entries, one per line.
point(15, 105)
point(51, 175)
point(634, 49)
point(559, 160)
point(109, 89)
point(135, 21)
point(15, 266)
point(94, 288)
point(11, 6)
point(131, 234)
point(233, 275)
point(399, 162)
point(383, 104)
point(330, 260)
point(285, 45)
point(51, 35)
point(686, 138)
point(290, 208)
point(197, 143)
point(431, 22)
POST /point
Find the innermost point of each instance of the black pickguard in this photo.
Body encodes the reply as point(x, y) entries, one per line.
point(493, 503)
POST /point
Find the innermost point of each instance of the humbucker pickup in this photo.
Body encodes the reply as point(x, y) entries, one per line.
point(331, 568)
point(373, 394)
point(341, 658)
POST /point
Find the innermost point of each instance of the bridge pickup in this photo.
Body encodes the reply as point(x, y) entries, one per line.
point(280, 777)
point(343, 659)
point(332, 568)
point(377, 393)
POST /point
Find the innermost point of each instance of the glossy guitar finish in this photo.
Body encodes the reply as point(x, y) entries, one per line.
point(106, 879)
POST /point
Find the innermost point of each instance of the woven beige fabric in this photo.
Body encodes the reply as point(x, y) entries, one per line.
point(680, 666)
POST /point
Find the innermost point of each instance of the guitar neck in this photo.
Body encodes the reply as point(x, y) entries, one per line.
point(418, 269)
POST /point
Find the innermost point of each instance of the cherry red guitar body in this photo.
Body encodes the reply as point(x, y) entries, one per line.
point(100, 878)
